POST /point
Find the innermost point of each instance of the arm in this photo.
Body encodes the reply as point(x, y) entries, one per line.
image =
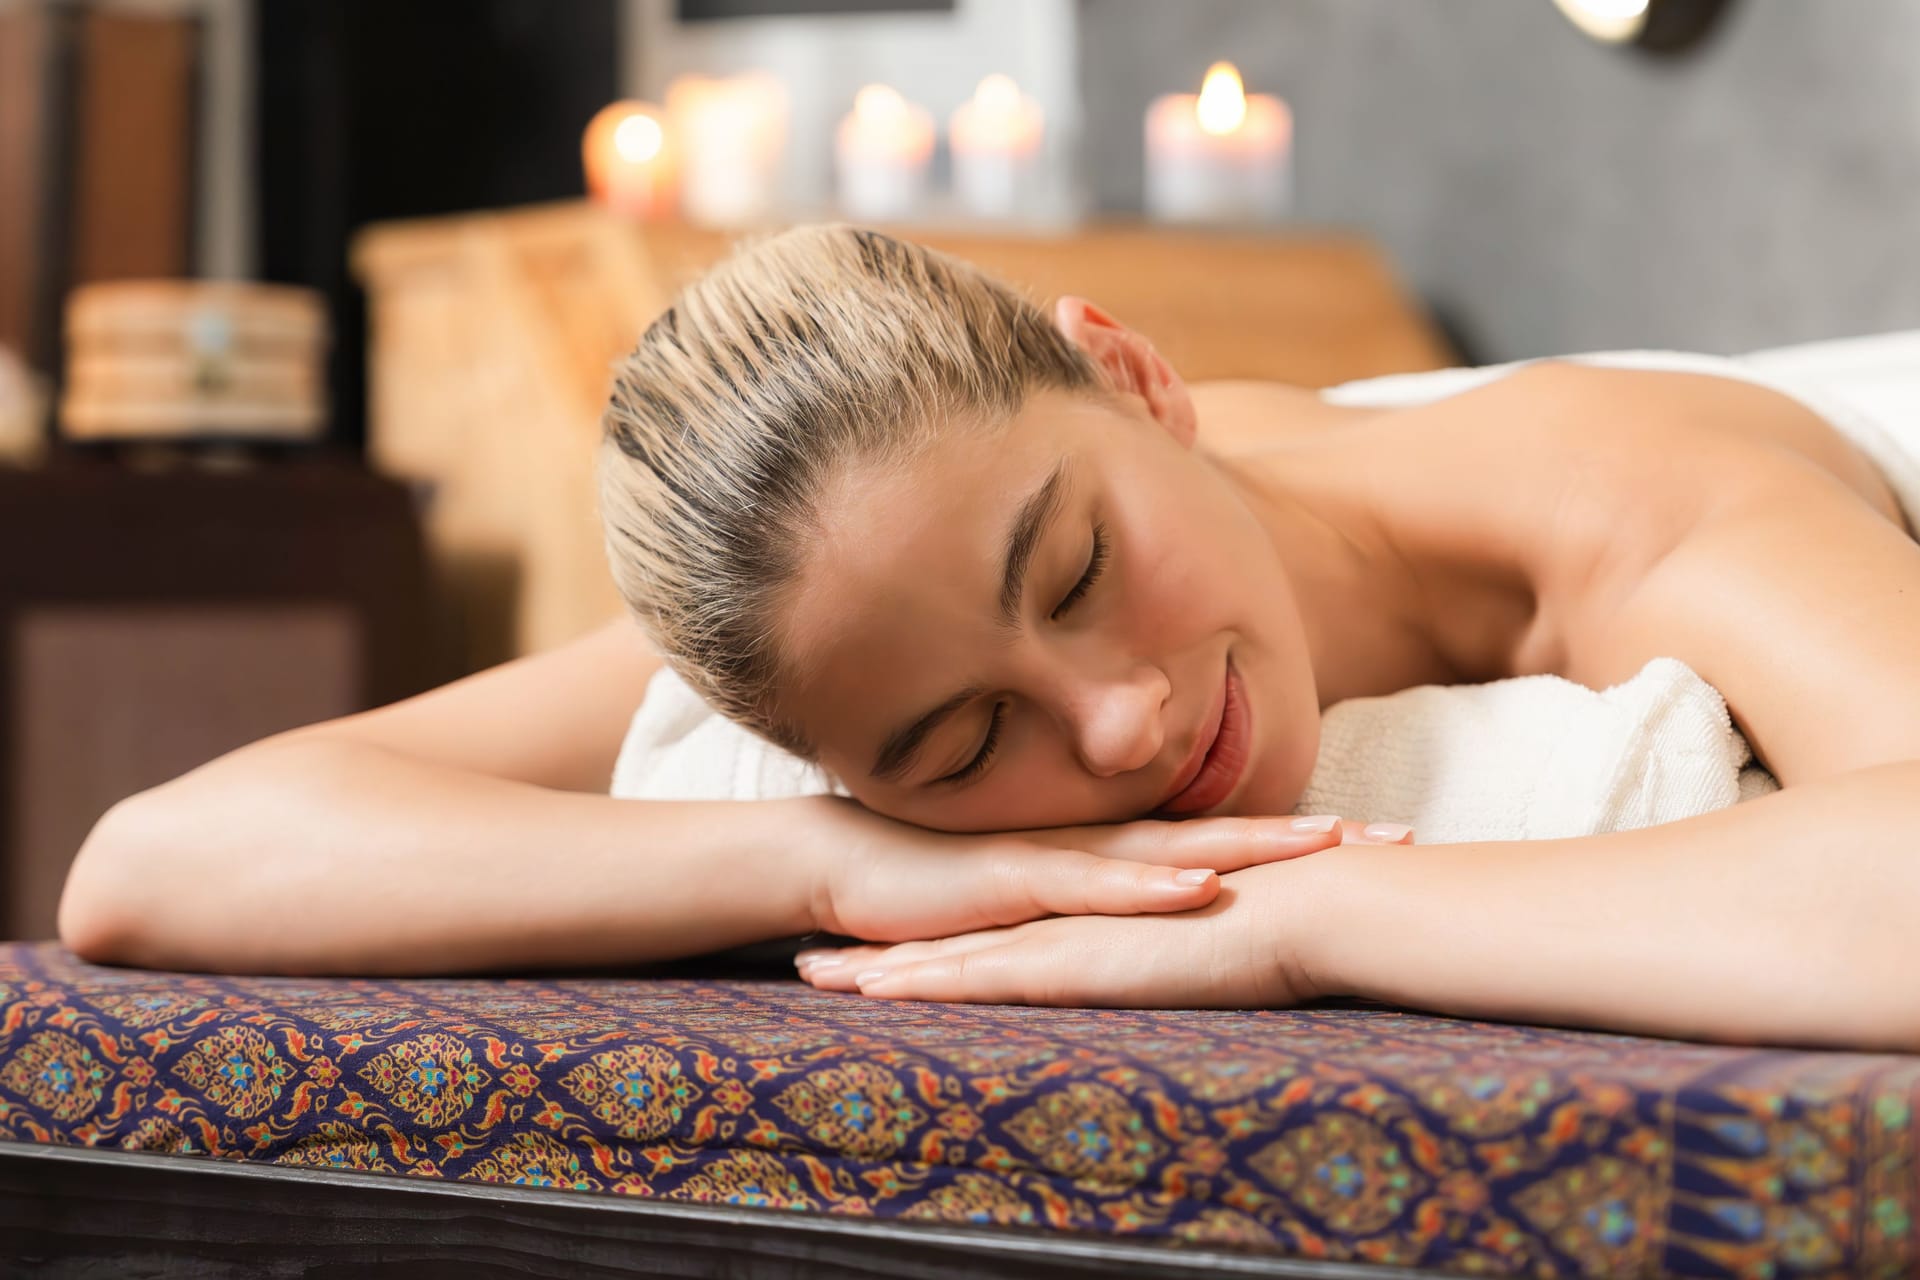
point(468, 829)
point(1790, 919)
point(463, 828)
point(1794, 917)
point(328, 856)
point(320, 856)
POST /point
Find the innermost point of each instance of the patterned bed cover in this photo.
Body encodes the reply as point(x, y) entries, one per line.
point(1342, 1131)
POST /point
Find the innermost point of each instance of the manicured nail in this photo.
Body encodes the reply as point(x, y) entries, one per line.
point(823, 962)
point(811, 953)
point(1196, 876)
point(1320, 825)
point(862, 978)
point(1385, 832)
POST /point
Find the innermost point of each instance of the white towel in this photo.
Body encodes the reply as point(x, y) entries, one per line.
point(1535, 757)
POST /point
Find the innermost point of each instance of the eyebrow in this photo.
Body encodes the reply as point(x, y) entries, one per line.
point(1030, 524)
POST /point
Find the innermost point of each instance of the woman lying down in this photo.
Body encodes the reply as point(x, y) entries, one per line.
point(1062, 626)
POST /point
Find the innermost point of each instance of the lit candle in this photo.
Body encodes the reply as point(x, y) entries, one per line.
point(731, 132)
point(882, 149)
point(629, 160)
point(996, 138)
point(1223, 156)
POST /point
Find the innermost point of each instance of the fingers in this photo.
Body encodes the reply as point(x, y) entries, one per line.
point(1033, 882)
point(1375, 832)
point(993, 975)
point(992, 966)
point(1222, 844)
point(836, 969)
point(1035, 965)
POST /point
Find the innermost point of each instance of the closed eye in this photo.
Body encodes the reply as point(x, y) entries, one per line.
point(1096, 563)
point(976, 766)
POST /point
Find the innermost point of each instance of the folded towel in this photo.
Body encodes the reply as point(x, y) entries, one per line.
point(679, 748)
point(1535, 757)
point(1532, 758)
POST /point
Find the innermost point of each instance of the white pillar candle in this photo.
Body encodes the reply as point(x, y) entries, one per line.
point(996, 137)
point(881, 153)
point(1224, 156)
point(730, 134)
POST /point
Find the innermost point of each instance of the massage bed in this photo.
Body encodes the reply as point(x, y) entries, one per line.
point(722, 1118)
point(726, 1119)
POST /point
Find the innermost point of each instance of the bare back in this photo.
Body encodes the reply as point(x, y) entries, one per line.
point(1537, 501)
point(1548, 490)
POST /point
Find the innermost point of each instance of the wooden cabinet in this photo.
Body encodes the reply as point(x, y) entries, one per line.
point(150, 622)
point(493, 337)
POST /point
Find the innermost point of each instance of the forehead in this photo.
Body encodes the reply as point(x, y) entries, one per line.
point(897, 598)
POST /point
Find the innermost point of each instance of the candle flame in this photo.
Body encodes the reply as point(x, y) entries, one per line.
point(1613, 20)
point(1614, 8)
point(638, 138)
point(878, 101)
point(1223, 100)
point(997, 93)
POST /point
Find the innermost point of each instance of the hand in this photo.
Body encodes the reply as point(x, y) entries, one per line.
point(1248, 948)
point(877, 878)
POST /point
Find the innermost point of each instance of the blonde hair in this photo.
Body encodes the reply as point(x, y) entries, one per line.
point(797, 355)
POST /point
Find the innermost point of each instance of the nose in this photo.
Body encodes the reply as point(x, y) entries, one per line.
point(1119, 720)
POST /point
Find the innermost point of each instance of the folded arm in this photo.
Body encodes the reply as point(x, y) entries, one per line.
point(1793, 918)
point(1790, 919)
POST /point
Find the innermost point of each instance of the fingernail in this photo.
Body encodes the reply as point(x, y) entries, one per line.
point(823, 962)
point(1196, 876)
point(1320, 825)
point(869, 975)
point(811, 953)
point(1385, 832)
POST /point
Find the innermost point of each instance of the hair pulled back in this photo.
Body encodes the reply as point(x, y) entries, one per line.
point(796, 356)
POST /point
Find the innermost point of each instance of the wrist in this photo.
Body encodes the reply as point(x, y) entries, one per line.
point(1312, 906)
point(808, 837)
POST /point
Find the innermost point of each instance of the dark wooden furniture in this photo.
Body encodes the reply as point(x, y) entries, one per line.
point(151, 620)
point(78, 1212)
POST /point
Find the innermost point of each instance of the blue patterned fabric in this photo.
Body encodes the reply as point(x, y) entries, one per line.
point(1341, 1130)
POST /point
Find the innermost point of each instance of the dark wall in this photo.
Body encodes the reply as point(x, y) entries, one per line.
point(1549, 194)
point(371, 109)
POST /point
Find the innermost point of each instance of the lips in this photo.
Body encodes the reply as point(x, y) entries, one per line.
point(1219, 756)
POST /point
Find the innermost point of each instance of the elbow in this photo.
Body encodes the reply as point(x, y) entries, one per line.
point(94, 918)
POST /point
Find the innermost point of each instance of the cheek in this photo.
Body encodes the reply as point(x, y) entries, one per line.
point(1197, 564)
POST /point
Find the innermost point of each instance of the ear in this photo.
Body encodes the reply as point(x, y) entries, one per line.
point(1130, 364)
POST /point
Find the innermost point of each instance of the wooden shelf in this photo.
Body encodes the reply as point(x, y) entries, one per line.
point(493, 337)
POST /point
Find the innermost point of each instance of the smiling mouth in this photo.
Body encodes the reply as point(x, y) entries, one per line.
point(1223, 759)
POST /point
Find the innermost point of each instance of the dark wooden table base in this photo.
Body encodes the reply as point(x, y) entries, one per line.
point(81, 1212)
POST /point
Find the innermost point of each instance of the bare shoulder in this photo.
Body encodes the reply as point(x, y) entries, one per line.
point(1641, 463)
point(1554, 490)
point(553, 719)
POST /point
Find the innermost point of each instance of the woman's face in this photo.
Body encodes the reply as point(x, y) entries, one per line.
point(1094, 689)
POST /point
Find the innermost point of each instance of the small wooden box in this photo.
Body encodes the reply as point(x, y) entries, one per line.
point(172, 359)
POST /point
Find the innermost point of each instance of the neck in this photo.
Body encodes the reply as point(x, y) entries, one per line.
point(1368, 620)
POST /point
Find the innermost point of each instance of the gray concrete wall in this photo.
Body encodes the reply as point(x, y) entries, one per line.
point(1547, 194)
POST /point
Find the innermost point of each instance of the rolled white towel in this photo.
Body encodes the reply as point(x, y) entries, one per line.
point(1535, 757)
point(1531, 758)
